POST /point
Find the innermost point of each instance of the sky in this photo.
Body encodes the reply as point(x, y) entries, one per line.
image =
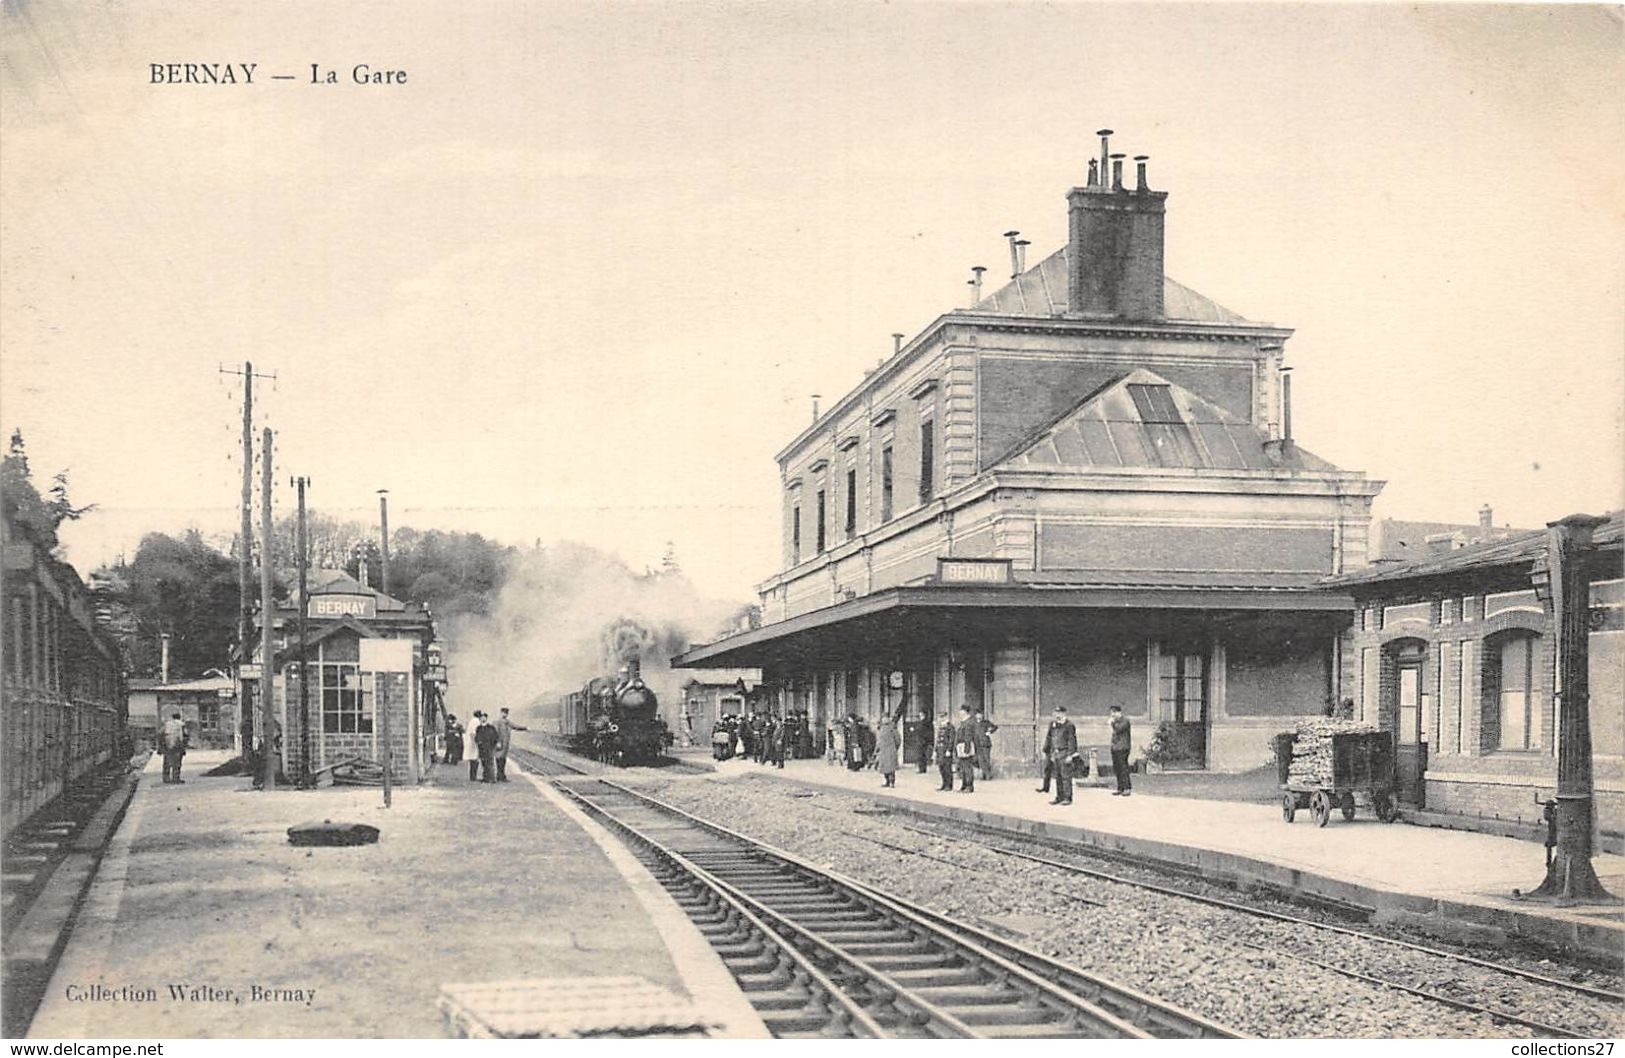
point(578, 277)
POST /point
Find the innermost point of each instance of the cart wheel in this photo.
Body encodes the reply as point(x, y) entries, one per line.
point(1387, 811)
point(1348, 806)
point(1289, 807)
point(1320, 807)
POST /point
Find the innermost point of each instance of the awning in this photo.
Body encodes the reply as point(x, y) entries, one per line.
point(903, 618)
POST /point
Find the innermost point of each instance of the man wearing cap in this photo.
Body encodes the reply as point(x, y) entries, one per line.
point(505, 730)
point(1060, 750)
point(945, 752)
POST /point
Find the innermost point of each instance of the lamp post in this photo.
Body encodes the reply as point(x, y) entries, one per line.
point(1566, 578)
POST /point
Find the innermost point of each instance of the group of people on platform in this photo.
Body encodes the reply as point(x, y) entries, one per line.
point(484, 743)
point(961, 746)
point(763, 737)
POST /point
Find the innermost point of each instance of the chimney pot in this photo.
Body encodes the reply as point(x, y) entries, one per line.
point(1486, 517)
point(1139, 171)
point(896, 342)
point(1021, 254)
point(1105, 146)
point(815, 397)
point(976, 283)
point(1094, 173)
point(1115, 245)
point(1015, 256)
point(1286, 405)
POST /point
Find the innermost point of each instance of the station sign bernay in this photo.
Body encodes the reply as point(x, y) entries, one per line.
point(343, 606)
point(973, 571)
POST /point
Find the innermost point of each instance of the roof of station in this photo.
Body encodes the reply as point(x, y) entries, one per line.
point(936, 612)
point(1513, 550)
point(1142, 420)
point(1042, 291)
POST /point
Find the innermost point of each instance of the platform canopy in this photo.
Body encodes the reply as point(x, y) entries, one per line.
point(900, 620)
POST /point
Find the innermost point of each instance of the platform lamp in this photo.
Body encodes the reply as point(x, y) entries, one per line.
point(1563, 576)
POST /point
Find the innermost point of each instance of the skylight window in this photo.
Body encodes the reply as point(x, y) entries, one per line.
point(1155, 404)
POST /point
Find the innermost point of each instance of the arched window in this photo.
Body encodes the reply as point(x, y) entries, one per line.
point(1512, 698)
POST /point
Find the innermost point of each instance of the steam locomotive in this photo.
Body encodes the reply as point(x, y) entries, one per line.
point(615, 720)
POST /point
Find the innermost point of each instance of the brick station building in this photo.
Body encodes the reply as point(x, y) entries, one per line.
point(365, 653)
point(1454, 652)
point(1081, 491)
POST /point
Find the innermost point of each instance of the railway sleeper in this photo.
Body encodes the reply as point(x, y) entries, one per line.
point(912, 945)
point(1044, 1031)
point(820, 919)
point(774, 979)
point(759, 962)
point(981, 1016)
point(926, 960)
point(958, 996)
point(946, 975)
point(842, 938)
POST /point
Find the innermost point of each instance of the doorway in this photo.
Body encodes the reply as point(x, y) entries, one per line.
point(1409, 706)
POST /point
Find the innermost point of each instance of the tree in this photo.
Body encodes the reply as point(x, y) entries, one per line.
point(38, 516)
point(188, 589)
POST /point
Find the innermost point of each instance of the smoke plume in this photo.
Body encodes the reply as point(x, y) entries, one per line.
point(568, 613)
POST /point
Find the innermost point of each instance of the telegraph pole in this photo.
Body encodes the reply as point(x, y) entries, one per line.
point(383, 529)
point(267, 556)
point(245, 562)
point(383, 708)
point(304, 662)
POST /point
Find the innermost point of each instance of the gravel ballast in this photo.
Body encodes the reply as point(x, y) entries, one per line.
point(1256, 975)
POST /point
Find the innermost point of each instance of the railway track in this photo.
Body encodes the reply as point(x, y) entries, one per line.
point(1003, 842)
point(1298, 921)
point(819, 954)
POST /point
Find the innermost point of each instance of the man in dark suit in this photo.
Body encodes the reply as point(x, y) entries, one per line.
point(965, 740)
point(1121, 744)
point(1060, 751)
point(945, 753)
point(926, 736)
point(485, 741)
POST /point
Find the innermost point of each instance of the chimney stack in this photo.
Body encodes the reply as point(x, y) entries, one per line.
point(1286, 405)
point(1486, 517)
point(1015, 255)
point(163, 653)
point(1115, 242)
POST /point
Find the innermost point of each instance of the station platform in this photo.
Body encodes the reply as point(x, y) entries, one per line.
point(1450, 883)
point(203, 921)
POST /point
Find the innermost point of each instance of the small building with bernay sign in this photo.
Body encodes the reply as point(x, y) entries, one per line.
point(365, 654)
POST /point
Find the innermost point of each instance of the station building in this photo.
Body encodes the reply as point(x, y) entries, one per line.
point(208, 707)
point(710, 695)
point(1083, 491)
point(1455, 653)
point(365, 654)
